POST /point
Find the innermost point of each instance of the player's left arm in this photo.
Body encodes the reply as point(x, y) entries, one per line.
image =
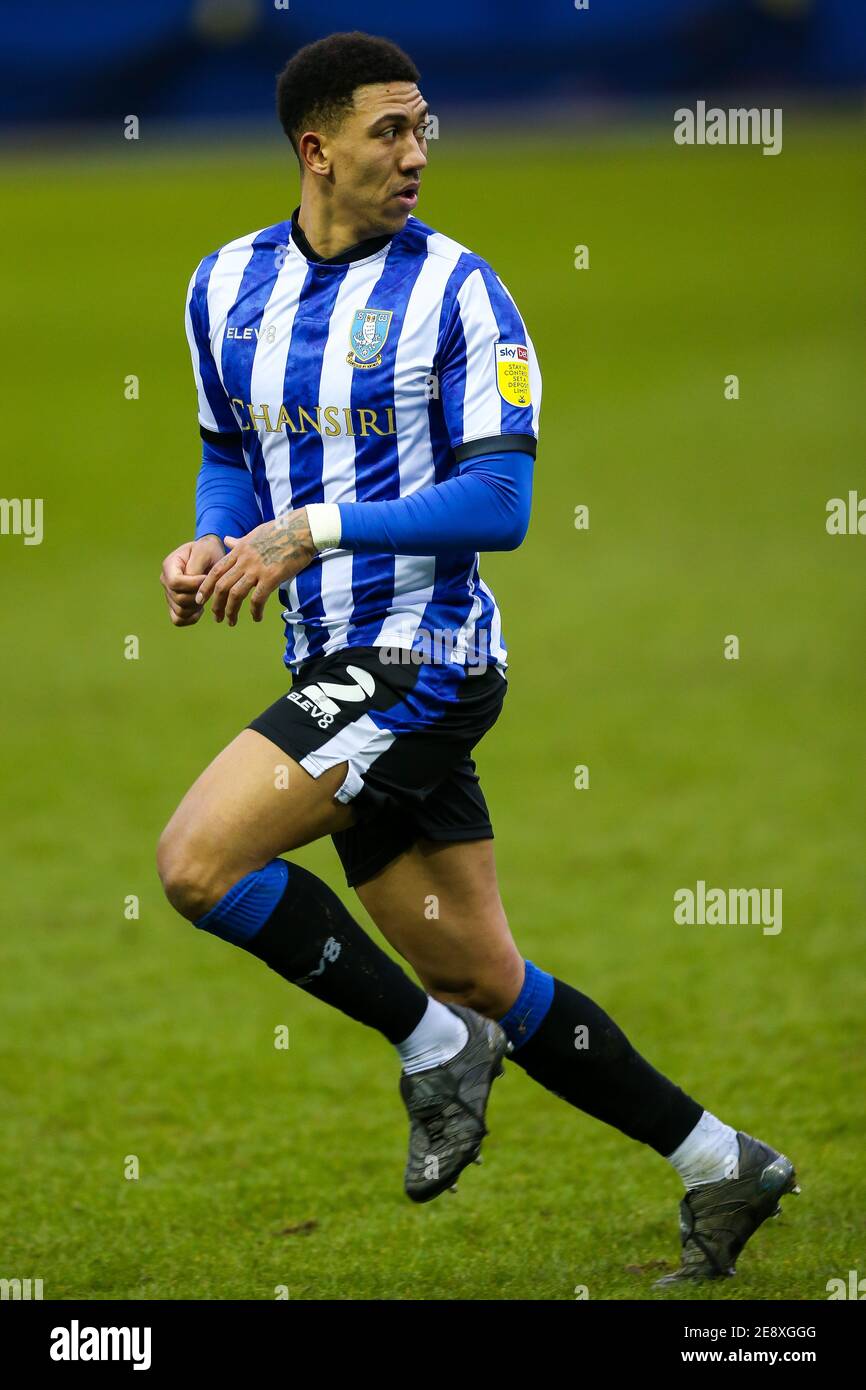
point(489, 401)
point(486, 506)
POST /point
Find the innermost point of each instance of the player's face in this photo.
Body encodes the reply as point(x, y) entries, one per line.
point(377, 156)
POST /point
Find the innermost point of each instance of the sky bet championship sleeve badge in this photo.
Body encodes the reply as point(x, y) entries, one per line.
point(512, 373)
point(367, 336)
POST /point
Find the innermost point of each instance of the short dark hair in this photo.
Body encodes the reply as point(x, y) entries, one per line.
point(316, 85)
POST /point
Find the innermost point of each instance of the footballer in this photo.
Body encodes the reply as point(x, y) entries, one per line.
point(368, 403)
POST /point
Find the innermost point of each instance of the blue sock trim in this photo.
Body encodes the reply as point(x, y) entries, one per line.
point(530, 1008)
point(248, 905)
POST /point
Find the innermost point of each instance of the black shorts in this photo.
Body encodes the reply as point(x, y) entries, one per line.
point(406, 730)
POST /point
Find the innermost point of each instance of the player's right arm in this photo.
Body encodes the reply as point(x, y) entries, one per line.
point(181, 577)
point(225, 500)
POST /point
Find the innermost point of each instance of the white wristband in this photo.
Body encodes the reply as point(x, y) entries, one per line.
point(326, 528)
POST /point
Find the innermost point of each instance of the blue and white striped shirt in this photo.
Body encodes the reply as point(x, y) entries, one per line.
point(358, 381)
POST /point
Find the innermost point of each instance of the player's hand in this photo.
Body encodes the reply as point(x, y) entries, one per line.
point(182, 573)
point(257, 564)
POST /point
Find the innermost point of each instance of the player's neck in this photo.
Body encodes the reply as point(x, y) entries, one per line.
point(328, 234)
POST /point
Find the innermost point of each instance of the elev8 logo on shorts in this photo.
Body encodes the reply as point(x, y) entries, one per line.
point(320, 699)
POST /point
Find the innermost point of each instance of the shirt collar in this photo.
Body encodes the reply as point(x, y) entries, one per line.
point(359, 252)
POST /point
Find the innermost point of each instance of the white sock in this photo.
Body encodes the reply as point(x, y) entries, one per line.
point(711, 1152)
point(438, 1037)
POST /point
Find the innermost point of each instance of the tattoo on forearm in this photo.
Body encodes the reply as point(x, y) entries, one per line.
point(289, 540)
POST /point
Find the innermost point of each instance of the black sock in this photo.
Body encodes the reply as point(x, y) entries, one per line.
point(606, 1078)
point(310, 938)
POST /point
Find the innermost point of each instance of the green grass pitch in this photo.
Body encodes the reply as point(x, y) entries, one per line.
point(261, 1168)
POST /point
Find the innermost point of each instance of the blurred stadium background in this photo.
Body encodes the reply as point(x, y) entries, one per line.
point(136, 1036)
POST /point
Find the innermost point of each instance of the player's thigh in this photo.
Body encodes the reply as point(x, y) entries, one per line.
point(439, 906)
point(252, 803)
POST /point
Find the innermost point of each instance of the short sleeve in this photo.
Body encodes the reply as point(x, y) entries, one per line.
point(215, 414)
point(488, 374)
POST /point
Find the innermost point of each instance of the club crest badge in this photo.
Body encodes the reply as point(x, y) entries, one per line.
point(367, 336)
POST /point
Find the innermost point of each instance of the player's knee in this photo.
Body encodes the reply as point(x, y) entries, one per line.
point(188, 879)
point(490, 991)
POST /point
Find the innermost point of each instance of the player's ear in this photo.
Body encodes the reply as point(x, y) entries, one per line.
point(313, 154)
